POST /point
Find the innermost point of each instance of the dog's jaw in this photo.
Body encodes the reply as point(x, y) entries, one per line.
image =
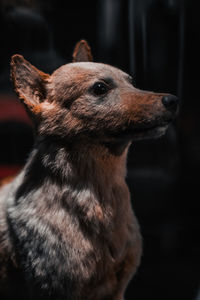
point(152, 133)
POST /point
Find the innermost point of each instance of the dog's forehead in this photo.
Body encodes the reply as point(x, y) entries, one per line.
point(89, 70)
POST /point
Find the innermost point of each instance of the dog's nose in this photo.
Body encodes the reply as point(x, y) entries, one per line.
point(170, 101)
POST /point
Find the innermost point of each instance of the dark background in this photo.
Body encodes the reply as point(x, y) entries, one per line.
point(157, 42)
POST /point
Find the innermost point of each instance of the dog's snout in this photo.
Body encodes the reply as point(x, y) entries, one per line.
point(170, 101)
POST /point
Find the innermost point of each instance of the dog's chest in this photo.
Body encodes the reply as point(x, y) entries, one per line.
point(78, 242)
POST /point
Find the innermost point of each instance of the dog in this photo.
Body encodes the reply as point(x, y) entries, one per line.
point(67, 229)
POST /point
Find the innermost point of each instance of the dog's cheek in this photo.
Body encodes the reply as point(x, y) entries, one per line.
point(58, 121)
point(84, 108)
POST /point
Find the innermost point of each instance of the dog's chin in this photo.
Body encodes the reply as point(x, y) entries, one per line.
point(118, 142)
point(150, 133)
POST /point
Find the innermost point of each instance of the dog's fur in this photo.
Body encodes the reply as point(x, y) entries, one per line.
point(67, 230)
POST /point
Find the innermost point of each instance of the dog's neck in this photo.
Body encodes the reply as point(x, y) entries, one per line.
point(87, 178)
point(88, 162)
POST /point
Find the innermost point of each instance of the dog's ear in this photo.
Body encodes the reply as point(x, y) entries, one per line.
point(29, 83)
point(82, 52)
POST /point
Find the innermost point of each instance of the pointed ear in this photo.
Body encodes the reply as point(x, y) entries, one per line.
point(82, 52)
point(29, 82)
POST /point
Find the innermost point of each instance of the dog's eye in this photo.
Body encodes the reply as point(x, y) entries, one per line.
point(100, 88)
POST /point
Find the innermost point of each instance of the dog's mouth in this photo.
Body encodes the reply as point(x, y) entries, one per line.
point(118, 141)
point(154, 131)
point(144, 131)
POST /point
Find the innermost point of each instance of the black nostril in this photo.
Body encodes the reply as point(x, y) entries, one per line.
point(170, 101)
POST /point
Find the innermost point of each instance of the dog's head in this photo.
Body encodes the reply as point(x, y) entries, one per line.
point(87, 100)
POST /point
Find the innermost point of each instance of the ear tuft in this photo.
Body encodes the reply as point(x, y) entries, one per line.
point(29, 82)
point(82, 52)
